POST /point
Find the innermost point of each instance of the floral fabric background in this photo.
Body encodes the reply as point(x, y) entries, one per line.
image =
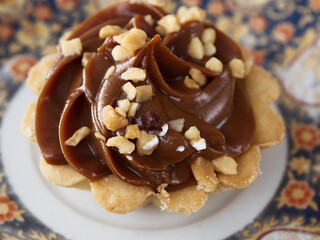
point(282, 36)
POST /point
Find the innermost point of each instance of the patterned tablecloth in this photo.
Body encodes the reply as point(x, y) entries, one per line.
point(282, 35)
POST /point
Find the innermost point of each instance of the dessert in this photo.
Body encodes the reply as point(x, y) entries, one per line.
point(147, 106)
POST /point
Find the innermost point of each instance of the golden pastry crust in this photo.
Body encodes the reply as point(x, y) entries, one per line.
point(118, 196)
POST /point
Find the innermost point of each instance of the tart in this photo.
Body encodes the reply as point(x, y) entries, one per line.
point(140, 106)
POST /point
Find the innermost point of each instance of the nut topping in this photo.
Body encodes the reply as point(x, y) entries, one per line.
point(196, 49)
point(144, 93)
point(147, 143)
point(214, 65)
point(237, 68)
point(124, 145)
point(135, 74)
point(112, 119)
point(78, 135)
point(110, 30)
point(71, 47)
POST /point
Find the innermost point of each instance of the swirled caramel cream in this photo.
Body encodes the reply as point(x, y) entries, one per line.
point(142, 95)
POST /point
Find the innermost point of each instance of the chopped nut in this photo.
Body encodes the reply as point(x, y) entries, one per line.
point(203, 172)
point(110, 30)
point(209, 49)
point(226, 165)
point(119, 53)
point(85, 58)
point(109, 72)
point(160, 30)
point(148, 18)
point(124, 145)
point(135, 74)
point(177, 124)
point(214, 65)
point(196, 49)
point(124, 104)
point(120, 111)
point(99, 136)
point(169, 23)
point(189, 83)
point(132, 131)
point(198, 77)
point(180, 149)
point(144, 93)
point(133, 109)
point(164, 130)
point(132, 40)
point(162, 190)
point(208, 35)
point(147, 143)
point(199, 144)
point(194, 13)
point(111, 119)
point(71, 47)
point(237, 68)
point(80, 134)
point(130, 90)
point(192, 133)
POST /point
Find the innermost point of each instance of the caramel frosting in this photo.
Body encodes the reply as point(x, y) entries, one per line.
point(172, 117)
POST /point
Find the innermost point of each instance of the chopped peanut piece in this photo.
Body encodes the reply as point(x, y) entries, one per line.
point(190, 83)
point(160, 30)
point(198, 77)
point(71, 47)
point(133, 109)
point(99, 136)
point(203, 172)
point(164, 130)
point(196, 49)
point(208, 35)
point(85, 58)
point(111, 119)
point(147, 143)
point(177, 124)
point(120, 111)
point(199, 144)
point(148, 18)
point(170, 23)
point(80, 134)
point(209, 49)
point(162, 190)
point(119, 53)
point(226, 165)
point(132, 131)
point(109, 72)
point(214, 65)
point(144, 93)
point(132, 40)
point(124, 104)
point(192, 133)
point(237, 68)
point(194, 13)
point(124, 145)
point(135, 74)
point(110, 30)
point(130, 90)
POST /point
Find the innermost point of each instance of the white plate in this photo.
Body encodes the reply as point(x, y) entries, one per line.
point(74, 214)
